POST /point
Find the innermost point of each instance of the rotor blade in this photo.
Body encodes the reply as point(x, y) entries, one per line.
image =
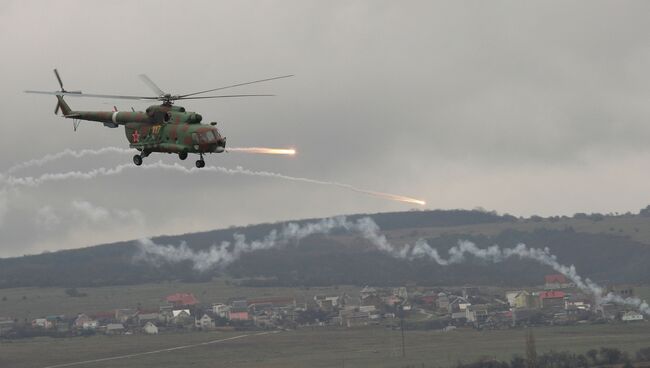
point(151, 84)
point(222, 96)
point(237, 85)
point(94, 95)
point(56, 72)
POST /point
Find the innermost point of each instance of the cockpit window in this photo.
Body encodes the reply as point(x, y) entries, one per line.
point(208, 136)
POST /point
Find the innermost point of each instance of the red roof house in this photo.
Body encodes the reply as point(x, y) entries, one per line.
point(554, 294)
point(552, 299)
point(181, 299)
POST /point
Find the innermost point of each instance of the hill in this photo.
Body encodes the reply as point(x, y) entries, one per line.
point(612, 248)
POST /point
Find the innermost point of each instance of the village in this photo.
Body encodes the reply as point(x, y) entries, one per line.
point(556, 302)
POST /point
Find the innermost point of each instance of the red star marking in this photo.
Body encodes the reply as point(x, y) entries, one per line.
point(136, 136)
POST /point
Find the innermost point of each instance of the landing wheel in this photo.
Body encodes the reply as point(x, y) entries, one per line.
point(182, 155)
point(200, 163)
point(137, 160)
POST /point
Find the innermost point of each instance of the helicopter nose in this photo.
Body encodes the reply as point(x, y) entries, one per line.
point(221, 145)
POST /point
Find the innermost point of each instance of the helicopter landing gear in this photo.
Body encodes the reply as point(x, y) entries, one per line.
point(182, 155)
point(200, 163)
point(137, 160)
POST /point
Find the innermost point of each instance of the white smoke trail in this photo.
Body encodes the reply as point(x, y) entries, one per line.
point(37, 162)
point(30, 181)
point(227, 252)
point(66, 153)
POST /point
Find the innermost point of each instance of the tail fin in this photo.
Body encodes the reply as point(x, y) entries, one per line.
point(61, 104)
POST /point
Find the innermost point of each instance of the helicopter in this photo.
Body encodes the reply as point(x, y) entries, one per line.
point(164, 128)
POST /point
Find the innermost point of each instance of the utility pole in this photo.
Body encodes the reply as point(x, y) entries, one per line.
point(401, 319)
point(531, 351)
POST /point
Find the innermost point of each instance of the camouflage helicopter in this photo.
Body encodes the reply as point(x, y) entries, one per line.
point(160, 128)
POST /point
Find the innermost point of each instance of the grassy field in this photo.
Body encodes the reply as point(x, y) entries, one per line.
point(36, 302)
point(319, 347)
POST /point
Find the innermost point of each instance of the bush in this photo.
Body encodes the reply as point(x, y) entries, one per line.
point(73, 292)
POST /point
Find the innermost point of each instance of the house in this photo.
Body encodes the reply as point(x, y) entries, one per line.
point(511, 297)
point(114, 329)
point(476, 313)
point(181, 316)
point(182, 300)
point(428, 299)
point(401, 292)
point(458, 304)
point(220, 310)
point(372, 299)
point(205, 322)
point(632, 316)
point(145, 316)
point(263, 321)
point(351, 318)
point(392, 300)
point(82, 320)
point(552, 300)
point(443, 301)
point(269, 304)
point(556, 281)
point(124, 314)
point(239, 311)
point(238, 314)
point(470, 291)
point(367, 291)
point(367, 308)
point(327, 302)
point(150, 329)
point(459, 317)
point(103, 317)
point(42, 323)
point(90, 325)
point(525, 300)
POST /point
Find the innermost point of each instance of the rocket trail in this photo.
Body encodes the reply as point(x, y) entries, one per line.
point(35, 181)
point(263, 150)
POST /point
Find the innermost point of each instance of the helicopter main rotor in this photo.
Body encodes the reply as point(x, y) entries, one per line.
point(164, 97)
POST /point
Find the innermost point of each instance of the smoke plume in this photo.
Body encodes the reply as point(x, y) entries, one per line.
point(225, 253)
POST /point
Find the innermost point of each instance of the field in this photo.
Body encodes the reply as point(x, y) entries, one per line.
point(319, 347)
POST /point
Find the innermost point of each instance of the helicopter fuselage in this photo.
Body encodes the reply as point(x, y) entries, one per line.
point(161, 128)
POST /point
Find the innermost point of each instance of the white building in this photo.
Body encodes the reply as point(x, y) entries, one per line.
point(220, 310)
point(632, 316)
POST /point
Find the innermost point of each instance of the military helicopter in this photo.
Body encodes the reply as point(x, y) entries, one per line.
point(160, 128)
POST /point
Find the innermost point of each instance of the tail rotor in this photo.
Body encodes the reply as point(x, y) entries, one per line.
point(58, 104)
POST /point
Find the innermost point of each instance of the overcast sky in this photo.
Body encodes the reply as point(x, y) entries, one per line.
point(516, 106)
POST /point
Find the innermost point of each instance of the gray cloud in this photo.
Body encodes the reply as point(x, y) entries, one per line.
point(522, 107)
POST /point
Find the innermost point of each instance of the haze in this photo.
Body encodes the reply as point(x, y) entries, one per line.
point(519, 107)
